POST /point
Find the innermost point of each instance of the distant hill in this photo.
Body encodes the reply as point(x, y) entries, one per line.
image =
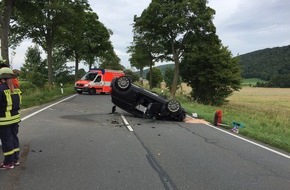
point(262, 64)
point(161, 67)
point(266, 63)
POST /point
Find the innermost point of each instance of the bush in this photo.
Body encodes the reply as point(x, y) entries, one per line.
point(34, 96)
point(27, 87)
point(156, 77)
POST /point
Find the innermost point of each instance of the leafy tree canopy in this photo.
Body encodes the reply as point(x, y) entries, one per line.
point(211, 72)
point(66, 24)
point(34, 68)
point(110, 60)
point(42, 21)
point(140, 55)
point(156, 77)
point(168, 77)
point(165, 25)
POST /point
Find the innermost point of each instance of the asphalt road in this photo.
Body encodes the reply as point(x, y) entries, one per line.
point(78, 144)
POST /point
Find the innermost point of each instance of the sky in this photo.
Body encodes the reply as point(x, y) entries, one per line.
point(242, 25)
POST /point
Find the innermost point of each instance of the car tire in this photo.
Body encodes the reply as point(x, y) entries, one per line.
point(173, 106)
point(92, 91)
point(79, 92)
point(123, 83)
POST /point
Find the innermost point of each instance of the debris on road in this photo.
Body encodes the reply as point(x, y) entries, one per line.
point(193, 120)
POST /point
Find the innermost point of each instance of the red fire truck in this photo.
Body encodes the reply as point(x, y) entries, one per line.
point(97, 81)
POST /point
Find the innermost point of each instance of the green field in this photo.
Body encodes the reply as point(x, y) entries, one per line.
point(251, 81)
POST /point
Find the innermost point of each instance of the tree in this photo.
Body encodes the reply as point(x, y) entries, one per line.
point(142, 52)
point(166, 24)
point(281, 81)
point(42, 21)
point(140, 55)
point(110, 60)
point(33, 69)
point(6, 8)
point(81, 73)
point(86, 38)
point(168, 77)
point(62, 73)
point(210, 70)
point(156, 77)
point(98, 44)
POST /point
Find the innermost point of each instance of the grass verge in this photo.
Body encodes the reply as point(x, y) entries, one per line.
point(37, 97)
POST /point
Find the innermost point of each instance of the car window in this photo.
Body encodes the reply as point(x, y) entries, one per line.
point(98, 79)
point(89, 76)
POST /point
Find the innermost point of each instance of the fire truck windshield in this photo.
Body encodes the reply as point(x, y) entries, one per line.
point(90, 76)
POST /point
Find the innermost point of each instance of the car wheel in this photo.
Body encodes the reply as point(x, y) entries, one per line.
point(173, 106)
point(92, 91)
point(79, 92)
point(123, 83)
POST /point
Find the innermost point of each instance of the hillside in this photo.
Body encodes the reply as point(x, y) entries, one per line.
point(266, 63)
point(262, 64)
point(161, 67)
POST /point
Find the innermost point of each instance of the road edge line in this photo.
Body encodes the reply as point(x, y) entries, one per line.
point(251, 142)
point(30, 115)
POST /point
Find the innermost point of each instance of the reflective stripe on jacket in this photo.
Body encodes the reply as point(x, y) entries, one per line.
point(9, 105)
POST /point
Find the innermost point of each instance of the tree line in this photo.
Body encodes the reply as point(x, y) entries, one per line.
point(181, 32)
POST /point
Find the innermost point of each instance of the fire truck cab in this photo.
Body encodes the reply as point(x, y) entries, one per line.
point(97, 81)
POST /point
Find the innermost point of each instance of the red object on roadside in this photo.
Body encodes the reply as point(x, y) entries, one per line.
point(218, 118)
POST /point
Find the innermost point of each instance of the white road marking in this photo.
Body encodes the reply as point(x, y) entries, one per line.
point(28, 116)
point(127, 123)
point(249, 141)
